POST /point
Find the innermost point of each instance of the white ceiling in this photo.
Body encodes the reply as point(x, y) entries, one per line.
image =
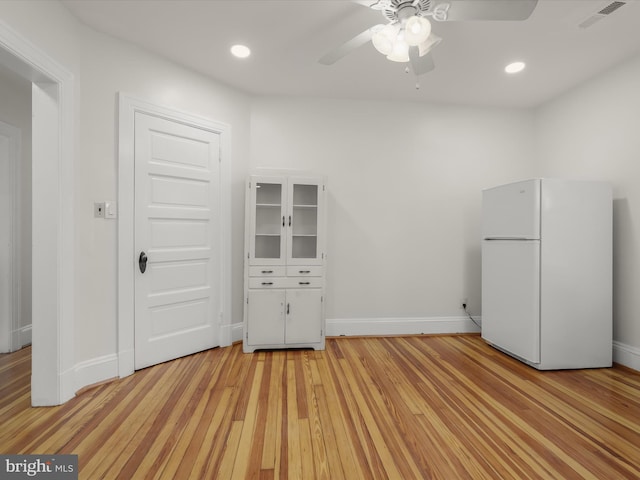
point(287, 37)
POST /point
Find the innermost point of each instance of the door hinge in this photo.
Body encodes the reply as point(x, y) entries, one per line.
point(323, 188)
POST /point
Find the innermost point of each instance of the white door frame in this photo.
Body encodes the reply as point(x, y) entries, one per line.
point(128, 106)
point(53, 359)
point(10, 184)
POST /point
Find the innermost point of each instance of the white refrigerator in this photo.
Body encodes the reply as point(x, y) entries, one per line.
point(547, 272)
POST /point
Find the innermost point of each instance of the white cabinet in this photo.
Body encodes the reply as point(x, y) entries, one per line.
point(284, 262)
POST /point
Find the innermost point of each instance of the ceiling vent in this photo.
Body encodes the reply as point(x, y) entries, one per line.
point(608, 10)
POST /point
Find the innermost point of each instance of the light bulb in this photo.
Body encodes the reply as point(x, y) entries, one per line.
point(400, 52)
point(384, 39)
point(416, 30)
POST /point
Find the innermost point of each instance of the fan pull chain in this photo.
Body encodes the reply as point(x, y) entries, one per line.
point(407, 70)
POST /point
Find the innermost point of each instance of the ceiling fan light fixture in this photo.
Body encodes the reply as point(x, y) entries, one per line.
point(400, 52)
point(426, 46)
point(416, 30)
point(384, 39)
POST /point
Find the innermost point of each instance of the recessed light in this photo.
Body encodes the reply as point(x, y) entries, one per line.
point(240, 51)
point(514, 67)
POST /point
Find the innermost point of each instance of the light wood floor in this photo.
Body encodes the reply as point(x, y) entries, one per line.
point(446, 407)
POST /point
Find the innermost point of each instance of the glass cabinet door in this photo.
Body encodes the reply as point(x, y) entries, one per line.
point(267, 240)
point(303, 247)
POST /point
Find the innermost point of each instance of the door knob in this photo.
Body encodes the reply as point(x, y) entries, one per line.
point(142, 262)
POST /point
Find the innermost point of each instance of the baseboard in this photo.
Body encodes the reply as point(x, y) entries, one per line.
point(626, 355)
point(21, 337)
point(400, 326)
point(96, 370)
point(230, 334)
point(236, 332)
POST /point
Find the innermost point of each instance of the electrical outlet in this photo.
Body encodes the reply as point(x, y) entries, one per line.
point(98, 209)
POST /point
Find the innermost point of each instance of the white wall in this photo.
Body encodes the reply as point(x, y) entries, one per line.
point(15, 102)
point(405, 186)
point(592, 132)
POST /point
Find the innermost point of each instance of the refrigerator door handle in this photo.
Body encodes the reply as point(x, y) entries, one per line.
point(491, 239)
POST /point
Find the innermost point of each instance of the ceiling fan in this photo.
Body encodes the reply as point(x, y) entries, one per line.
point(407, 35)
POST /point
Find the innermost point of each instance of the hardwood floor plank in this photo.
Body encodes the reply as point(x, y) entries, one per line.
point(427, 407)
point(273, 415)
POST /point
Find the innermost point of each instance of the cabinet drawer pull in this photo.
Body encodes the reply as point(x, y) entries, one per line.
point(304, 283)
point(304, 271)
point(267, 271)
point(267, 283)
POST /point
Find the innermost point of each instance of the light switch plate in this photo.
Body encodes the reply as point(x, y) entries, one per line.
point(98, 210)
point(110, 209)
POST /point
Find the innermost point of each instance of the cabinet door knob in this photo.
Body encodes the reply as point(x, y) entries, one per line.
point(267, 271)
point(304, 283)
point(267, 283)
point(288, 309)
point(289, 220)
point(304, 271)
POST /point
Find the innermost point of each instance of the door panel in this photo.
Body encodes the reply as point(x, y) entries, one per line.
point(267, 237)
point(6, 242)
point(304, 316)
point(304, 217)
point(265, 317)
point(176, 218)
point(512, 211)
point(511, 296)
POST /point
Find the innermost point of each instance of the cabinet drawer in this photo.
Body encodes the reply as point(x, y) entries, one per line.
point(267, 271)
point(312, 282)
point(297, 271)
point(256, 282)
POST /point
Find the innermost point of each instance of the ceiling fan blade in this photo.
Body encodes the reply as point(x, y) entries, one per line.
point(490, 9)
point(374, 4)
point(420, 64)
point(349, 46)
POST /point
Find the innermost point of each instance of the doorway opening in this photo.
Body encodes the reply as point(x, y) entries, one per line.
point(52, 378)
point(15, 212)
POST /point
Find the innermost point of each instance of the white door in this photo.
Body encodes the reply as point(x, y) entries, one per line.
point(304, 214)
point(304, 316)
point(511, 296)
point(9, 293)
point(265, 317)
point(512, 211)
point(267, 223)
point(176, 239)
point(6, 244)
